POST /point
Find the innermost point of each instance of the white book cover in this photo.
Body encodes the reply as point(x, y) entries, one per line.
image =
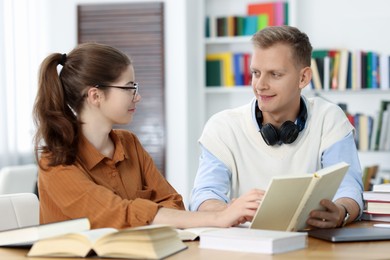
point(326, 73)
point(253, 240)
point(384, 72)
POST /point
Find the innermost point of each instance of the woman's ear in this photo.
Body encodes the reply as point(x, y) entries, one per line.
point(305, 77)
point(93, 95)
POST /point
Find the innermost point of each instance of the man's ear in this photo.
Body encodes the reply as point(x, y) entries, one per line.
point(305, 77)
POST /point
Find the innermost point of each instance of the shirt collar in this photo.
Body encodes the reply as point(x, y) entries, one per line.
point(91, 156)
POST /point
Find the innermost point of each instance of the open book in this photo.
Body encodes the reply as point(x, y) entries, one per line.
point(26, 236)
point(289, 199)
point(190, 234)
point(146, 242)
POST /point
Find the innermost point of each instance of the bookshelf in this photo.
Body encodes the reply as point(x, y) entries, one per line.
point(218, 98)
point(329, 24)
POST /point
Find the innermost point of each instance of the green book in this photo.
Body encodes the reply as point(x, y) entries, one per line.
point(262, 21)
point(240, 25)
point(213, 73)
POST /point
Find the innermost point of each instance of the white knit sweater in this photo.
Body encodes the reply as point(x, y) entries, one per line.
point(233, 137)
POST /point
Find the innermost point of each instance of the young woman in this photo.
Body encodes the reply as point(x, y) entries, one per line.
point(87, 169)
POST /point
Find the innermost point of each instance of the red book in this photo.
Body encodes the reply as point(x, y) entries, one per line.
point(247, 71)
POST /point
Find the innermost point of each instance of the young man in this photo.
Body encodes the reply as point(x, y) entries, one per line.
point(279, 132)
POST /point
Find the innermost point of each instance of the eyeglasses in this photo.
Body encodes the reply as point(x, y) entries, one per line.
point(133, 86)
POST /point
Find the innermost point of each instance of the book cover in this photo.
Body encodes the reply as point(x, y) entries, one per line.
point(214, 73)
point(378, 207)
point(145, 242)
point(301, 194)
point(247, 71)
point(238, 69)
point(253, 240)
point(376, 196)
point(250, 25)
point(343, 70)
point(26, 236)
point(262, 21)
point(383, 187)
point(279, 13)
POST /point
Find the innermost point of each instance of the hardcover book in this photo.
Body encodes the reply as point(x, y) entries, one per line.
point(145, 242)
point(26, 236)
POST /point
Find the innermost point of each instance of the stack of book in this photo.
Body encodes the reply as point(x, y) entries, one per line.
point(377, 203)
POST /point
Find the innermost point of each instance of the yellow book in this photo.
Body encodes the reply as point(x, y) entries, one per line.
point(316, 75)
point(289, 199)
point(146, 242)
point(227, 61)
point(335, 72)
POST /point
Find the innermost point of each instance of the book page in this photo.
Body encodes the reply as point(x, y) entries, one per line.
point(326, 186)
point(193, 233)
point(282, 198)
point(95, 234)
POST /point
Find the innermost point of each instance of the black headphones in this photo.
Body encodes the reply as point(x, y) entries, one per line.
point(288, 131)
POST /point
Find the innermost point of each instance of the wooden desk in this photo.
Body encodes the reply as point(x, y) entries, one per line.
point(317, 249)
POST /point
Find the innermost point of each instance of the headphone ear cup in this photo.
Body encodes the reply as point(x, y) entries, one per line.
point(269, 134)
point(288, 132)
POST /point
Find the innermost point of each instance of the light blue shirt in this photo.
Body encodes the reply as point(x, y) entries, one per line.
point(213, 180)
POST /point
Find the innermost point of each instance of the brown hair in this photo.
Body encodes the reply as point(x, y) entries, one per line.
point(299, 41)
point(60, 97)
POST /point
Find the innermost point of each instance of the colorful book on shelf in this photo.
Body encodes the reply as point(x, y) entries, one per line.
point(26, 236)
point(253, 240)
point(382, 123)
point(264, 9)
point(280, 13)
point(238, 59)
point(262, 21)
point(222, 26)
point(240, 26)
point(384, 72)
point(302, 193)
point(316, 75)
point(343, 70)
point(250, 23)
point(145, 242)
point(247, 71)
point(214, 70)
point(227, 61)
point(231, 26)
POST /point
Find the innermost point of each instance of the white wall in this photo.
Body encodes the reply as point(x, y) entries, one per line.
point(61, 36)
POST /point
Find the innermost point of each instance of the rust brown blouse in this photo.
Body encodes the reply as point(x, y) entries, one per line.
point(124, 191)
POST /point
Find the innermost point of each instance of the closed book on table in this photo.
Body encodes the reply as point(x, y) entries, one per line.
point(26, 236)
point(253, 240)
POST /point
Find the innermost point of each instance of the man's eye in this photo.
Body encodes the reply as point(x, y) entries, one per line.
point(255, 74)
